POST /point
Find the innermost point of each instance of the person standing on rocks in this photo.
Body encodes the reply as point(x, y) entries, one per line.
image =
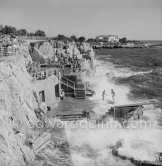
point(113, 95)
point(103, 94)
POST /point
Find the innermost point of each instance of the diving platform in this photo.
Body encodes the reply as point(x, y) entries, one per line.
point(126, 111)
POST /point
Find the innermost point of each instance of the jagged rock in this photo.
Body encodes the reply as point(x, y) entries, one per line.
point(39, 163)
point(23, 50)
point(17, 104)
point(43, 106)
point(37, 56)
point(47, 50)
point(60, 53)
point(72, 50)
point(85, 47)
point(59, 44)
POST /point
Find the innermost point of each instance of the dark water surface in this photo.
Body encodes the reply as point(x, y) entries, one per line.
point(145, 86)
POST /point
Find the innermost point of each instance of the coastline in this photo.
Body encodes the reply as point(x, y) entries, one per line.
point(90, 72)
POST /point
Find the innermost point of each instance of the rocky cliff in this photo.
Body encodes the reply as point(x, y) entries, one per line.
point(50, 51)
point(18, 100)
point(17, 104)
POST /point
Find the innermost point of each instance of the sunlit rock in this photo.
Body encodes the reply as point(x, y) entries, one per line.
point(47, 50)
point(17, 104)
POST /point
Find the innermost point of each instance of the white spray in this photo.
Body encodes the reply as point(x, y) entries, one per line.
point(89, 144)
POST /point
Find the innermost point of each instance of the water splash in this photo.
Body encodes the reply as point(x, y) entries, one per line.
point(89, 145)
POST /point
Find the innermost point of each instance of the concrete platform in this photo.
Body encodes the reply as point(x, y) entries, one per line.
point(71, 106)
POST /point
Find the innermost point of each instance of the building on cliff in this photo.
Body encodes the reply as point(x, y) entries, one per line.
point(108, 38)
point(24, 92)
point(47, 85)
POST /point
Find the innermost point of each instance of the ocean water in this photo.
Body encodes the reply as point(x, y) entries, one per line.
point(135, 76)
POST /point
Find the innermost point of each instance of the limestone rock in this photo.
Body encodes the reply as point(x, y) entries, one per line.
point(17, 104)
point(37, 55)
point(23, 50)
point(47, 50)
point(85, 47)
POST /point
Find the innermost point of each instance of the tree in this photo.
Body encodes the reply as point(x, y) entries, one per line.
point(91, 40)
point(74, 38)
point(21, 32)
point(1, 27)
point(31, 34)
point(40, 33)
point(9, 30)
point(82, 39)
point(123, 40)
point(62, 38)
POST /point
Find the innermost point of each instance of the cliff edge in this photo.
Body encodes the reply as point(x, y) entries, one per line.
point(17, 105)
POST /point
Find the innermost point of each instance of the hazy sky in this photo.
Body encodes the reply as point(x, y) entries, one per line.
point(135, 19)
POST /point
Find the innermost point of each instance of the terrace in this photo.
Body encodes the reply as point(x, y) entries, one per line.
point(6, 51)
point(43, 73)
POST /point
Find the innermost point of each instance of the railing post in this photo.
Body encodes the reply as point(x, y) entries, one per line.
point(74, 89)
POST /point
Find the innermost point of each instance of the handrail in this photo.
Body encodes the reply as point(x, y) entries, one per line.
point(6, 51)
point(44, 73)
point(71, 86)
point(33, 37)
point(68, 80)
point(68, 83)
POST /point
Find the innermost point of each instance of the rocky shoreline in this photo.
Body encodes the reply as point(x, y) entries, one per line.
point(19, 102)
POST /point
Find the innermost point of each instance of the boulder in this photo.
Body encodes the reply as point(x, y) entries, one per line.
point(47, 50)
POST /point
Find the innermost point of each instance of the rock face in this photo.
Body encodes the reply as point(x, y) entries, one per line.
point(37, 55)
point(72, 50)
point(47, 50)
point(42, 54)
point(17, 104)
point(23, 50)
point(18, 100)
point(84, 47)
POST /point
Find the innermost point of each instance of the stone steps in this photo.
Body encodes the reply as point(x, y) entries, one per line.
point(41, 141)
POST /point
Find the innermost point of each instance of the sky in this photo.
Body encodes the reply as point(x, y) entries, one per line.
point(134, 19)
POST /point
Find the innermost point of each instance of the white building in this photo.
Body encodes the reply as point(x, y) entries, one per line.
point(108, 38)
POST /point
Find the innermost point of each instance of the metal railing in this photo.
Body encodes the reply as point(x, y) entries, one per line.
point(68, 82)
point(43, 74)
point(6, 51)
point(32, 37)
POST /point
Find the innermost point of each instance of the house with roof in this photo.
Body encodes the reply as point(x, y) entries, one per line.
point(108, 38)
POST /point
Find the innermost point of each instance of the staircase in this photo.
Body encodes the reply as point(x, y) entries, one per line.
point(80, 92)
point(69, 88)
point(70, 117)
point(74, 89)
point(73, 116)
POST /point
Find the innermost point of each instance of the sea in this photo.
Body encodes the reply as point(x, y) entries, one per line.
point(135, 75)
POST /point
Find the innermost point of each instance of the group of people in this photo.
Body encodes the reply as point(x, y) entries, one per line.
point(112, 94)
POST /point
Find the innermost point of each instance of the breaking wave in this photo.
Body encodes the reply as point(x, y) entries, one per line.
point(90, 146)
